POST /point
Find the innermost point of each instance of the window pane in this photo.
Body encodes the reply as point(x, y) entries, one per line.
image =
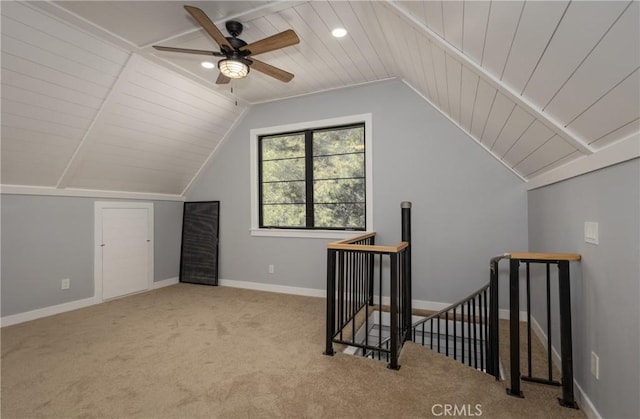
point(292, 215)
point(340, 166)
point(339, 191)
point(277, 170)
point(283, 193)
point(282, 146)
point(339, 215)
point(338, 141)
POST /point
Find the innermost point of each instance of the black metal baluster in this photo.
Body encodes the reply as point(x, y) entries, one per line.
point(357, 280)
point(528, 318)
point(549, 365)
point(331, 301)
point(431, 334)
point(469, 332)
point(455, 339)
point(482, 300)
point(446, 332)
point(340, 296)
point(372, 269)
point(475, 336)
point(380, 306)
point(354, 286)
point(366, 306)
point(438, 318)
point(462, 333)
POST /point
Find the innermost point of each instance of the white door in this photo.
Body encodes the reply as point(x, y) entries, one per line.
point(125, 249)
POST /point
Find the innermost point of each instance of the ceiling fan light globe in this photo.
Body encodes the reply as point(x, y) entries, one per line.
point(233, 69)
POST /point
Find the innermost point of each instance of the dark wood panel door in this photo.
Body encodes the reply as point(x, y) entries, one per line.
point(199, 255)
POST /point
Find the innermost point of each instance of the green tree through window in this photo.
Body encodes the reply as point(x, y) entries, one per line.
point(313, 179)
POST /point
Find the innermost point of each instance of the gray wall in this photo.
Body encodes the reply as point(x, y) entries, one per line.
point(46, 238)
point(604, 285)
point(466, 206)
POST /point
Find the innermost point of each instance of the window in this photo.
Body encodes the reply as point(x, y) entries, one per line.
point(312, 179)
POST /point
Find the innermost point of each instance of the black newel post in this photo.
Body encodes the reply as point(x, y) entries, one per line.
point(331, 301)
point(493, 358)
point(406, 237)
point(514, 327)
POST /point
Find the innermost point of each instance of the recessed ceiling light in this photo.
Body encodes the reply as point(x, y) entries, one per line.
point(339, 32)
point(207, 64)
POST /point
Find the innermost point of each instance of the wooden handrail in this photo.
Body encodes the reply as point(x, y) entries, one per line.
point(545, 256)
point(368, 248)
point(356, 238)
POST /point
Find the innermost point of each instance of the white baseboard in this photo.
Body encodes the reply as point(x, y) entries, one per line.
point(581, 398)
point(505, 314)
point(540, 334)
point(258, 286)
point(165, 283)
point(282, 289)
point(321, 293)
point(45, 312)
point(70, 306)
point(585, 403)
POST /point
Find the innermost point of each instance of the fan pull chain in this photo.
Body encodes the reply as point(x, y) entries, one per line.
point(235, 93)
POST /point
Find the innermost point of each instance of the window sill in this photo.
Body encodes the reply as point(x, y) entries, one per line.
point(305, 234)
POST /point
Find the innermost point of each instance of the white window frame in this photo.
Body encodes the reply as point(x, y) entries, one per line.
point(324, 123)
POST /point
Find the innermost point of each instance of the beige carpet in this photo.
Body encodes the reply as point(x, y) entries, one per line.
point(189, 351)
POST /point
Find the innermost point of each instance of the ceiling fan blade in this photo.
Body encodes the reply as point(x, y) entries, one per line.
point(272, 71)
point(273, 42)
point(208, 26)
point(189, 51)
point(222, 79)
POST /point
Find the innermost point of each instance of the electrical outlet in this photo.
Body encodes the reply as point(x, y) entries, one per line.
point(272, 269)
point(65, 284)
point(595, 365)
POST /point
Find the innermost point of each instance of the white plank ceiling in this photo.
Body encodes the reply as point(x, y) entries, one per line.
point(87, 103)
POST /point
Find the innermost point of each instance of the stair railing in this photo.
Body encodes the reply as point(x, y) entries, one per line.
point(561, 261)
point(356, 268)
point(463, 331)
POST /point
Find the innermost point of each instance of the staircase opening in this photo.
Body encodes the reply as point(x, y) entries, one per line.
point(369, 310)
point(452, 337)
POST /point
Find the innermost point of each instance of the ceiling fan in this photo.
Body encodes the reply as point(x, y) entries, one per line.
point(238, 55)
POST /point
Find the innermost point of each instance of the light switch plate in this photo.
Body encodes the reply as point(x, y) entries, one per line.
point(591, 232)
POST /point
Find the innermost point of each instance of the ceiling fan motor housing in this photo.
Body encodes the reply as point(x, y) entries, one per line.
point(234, 28)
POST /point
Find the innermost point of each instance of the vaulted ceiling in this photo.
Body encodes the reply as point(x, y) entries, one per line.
point(88, 104)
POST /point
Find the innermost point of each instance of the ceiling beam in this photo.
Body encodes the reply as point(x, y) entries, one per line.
point(85, 193)
point(618, 152)
point(550, 123)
